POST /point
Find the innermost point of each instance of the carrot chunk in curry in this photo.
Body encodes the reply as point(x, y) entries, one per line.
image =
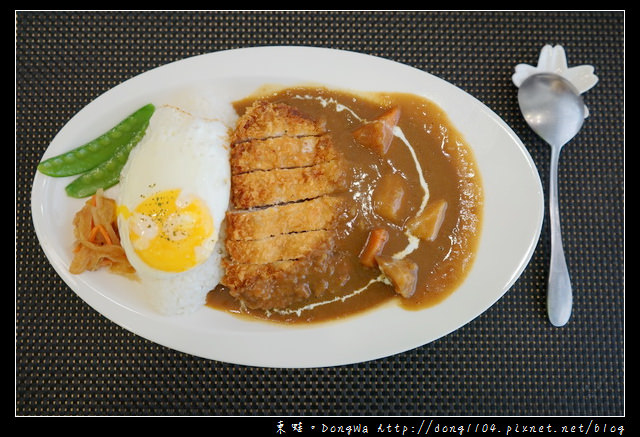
point(373, 247)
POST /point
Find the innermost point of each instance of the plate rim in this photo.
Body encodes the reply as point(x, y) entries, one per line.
point(130, 320)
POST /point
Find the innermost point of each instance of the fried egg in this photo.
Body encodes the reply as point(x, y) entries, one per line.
point(174, 193)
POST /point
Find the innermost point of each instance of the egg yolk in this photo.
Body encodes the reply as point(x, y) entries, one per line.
point(170, 232)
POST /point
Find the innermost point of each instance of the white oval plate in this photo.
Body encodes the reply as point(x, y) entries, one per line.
point(511, 226)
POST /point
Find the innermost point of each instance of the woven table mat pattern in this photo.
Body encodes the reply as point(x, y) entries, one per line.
point(70, 360)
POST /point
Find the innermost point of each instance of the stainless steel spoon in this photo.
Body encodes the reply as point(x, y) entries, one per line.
point(554, 110)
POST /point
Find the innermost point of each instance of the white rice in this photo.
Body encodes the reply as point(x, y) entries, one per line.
point(185, 292)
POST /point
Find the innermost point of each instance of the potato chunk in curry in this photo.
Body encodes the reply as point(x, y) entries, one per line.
point(427, 225)
point(403, 274)
point(389, 197)
point(378, 134)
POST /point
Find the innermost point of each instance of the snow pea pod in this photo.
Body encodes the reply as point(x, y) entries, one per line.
point(107, 173)
point(99, 150)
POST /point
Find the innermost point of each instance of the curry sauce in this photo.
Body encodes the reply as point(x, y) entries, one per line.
point(427, 167)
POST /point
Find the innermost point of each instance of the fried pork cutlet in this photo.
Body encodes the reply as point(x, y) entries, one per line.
point(309, 215)
point(264, 120)
point(281, 152)
point(283, 247)
point(285, 193)
point(281, 283)
point(262, 188)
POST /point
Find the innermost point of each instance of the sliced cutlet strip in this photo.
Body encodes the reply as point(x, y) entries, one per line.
point(278, 248)
point(281, 152)
point(262, 188)
point(240, 275)
point(267, 120)
point(279, 284)
point(308, 215)
point(253, 284)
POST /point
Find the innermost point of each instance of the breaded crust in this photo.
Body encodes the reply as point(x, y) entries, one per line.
point(266, 120)
point(257, 285)
point(308, 215)
point(278, 248)
point(281, 152)
point(278, 284)
point(239, 275)
point(261, 188)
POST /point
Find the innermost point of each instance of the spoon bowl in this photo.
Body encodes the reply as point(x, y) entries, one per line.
point(555, 111)
point(552, 107)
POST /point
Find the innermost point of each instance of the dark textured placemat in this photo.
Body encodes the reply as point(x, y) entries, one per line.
point(509, 361)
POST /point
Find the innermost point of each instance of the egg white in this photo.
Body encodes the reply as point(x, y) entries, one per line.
point(178, 151)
